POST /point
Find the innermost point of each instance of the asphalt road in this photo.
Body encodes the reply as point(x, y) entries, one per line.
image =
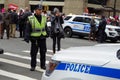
point(15, 62)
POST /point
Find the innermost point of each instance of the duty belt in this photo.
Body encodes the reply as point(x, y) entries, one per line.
point(38, 30)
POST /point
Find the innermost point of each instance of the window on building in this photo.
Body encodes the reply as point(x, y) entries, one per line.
point(55, 0)
point(103, 2)
point(49, 0)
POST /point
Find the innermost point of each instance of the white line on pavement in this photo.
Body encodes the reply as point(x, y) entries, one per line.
point(15, 76)
point(22, 57)
point(19, 64)
point(49, 55)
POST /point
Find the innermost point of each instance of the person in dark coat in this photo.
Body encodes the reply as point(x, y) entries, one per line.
point(57, 31)
point(101, 30)
point(1, 25)
point(21, 23)
point(14, 21)
point(25, 18)
point(6, 23)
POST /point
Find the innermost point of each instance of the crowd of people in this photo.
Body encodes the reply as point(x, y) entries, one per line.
point(35, 28)
point(10, 19)
point(98, 33)
point(113, 21)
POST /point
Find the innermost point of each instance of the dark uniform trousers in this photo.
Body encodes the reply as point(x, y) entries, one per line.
point(38, 44)
point(101, 36)
point(56, 39)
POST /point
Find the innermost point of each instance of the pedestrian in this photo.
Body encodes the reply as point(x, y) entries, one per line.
point(92, 29)
point(1, 25)
point(21, 23)
point(27, 13)
point(101, 30)
point(57, 31)
point(36, 32)
point(6, 22)
point(14, 21)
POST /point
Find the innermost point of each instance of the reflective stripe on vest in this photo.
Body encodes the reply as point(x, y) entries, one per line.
point(38, 29)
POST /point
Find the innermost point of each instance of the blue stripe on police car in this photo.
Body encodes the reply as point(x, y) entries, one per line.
point(86, 26)
point(95, 70)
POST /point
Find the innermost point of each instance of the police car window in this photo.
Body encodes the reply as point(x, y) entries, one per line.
point(78, 19)
point(68, 17)
point(118, 54)
point(97, 20)
point(87, 20)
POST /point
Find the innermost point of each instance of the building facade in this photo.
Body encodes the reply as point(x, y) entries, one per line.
point(19, 3)
point(70, 6)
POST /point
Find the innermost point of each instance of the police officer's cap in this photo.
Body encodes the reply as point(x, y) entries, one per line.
point(39, 7)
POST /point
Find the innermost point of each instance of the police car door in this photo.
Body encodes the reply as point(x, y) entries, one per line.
point(87, 24)
point(82, 24)
point(78, 24)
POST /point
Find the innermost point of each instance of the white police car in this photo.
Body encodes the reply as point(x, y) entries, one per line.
point(80, 25)
point(101, 62)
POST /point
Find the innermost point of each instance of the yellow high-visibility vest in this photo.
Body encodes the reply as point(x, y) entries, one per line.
point(38, 28)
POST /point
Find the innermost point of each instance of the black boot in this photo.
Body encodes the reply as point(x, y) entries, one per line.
point(32, 69)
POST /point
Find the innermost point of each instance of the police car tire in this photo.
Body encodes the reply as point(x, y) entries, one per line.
point(1, 51)
point(113, 40)
point(80, 36)
point(68, 32)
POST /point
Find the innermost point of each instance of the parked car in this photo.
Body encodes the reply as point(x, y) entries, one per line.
point(100, 62)
point(80, 25)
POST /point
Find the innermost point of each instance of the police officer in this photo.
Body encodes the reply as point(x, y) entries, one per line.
point(101, 30)
point(36, 32)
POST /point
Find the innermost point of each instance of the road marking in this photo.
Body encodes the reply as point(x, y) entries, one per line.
point(49, 55)
point(22, 57)
point(15, 76)
point(19, 64)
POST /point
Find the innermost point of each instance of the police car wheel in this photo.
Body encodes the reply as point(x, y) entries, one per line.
point(80, 36)
point(68, 32)
point(113, 40)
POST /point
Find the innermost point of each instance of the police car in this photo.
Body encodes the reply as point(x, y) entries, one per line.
point(100, 62)
point(80, 25)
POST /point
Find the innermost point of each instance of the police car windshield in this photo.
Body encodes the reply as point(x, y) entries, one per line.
point(68, 17)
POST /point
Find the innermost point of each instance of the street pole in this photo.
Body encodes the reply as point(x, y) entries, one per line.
point(114, 11)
